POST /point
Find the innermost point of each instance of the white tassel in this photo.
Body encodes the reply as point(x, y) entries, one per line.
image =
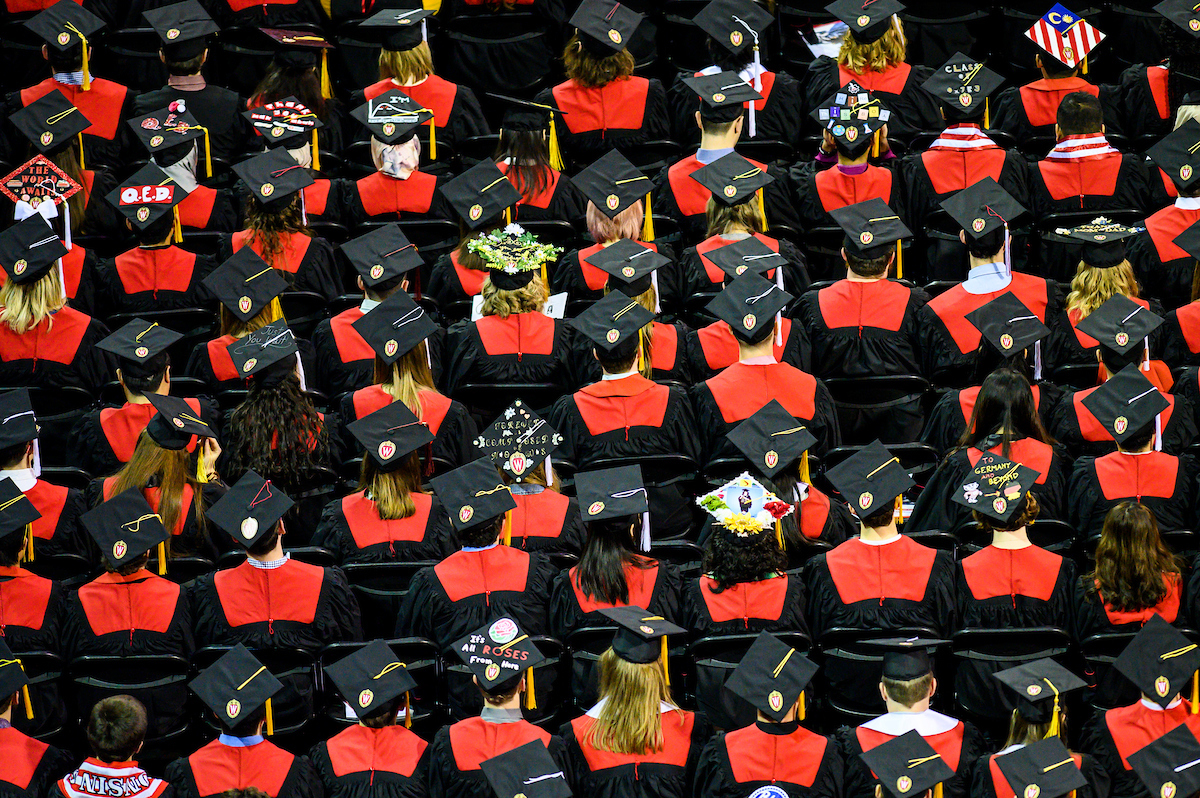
point(549, 472)
point(654, 283)
point(37, 458)
point(66, 225)
point(1158, 433)
point(62, 281)
point(303, 210)
point(752, 128)
point(300, 372)
point(1007, 251)
point(778, 329)
point(428, 357)
point(1037, 360)
point(1146, 345)
point(424, 32)
point(646, 531)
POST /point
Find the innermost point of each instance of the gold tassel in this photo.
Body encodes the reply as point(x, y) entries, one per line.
point(316, 153)
point(326, 86)
point(274, 311)
point(875, 144)
point(29, 543)
point(762, 207)
point(433, 139)
point(508, 216)
point(937, 790)
point(556, 159)
point(899, 261)
point(805, 477)
point(207, 154)
point(666, 667)
point(545, 279)
point(506, 534)
point(201, 466)
point(87, 73)
point(530, 698)
point(1196, 693)
point(987, 123)
point(82, 165)
point(270, 720)
point(1083, 66)
point(647, 221)
point(1053, 731)
point(803, 708)
point(407, 712)
point(176, 225)
point(26, 700)
point(162, 559)
point(779, 534)
point(641, 362)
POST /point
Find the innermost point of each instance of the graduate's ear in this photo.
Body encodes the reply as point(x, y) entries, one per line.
point(45, 52)
point(699, 124)
point(166, 380)
point(595, 354)
point(163, 58)
point(120, 379)
point(843, 251)
point(738, 123)
point(883, 692)
point(932, 686)
point(962, 236)
point(359, 282)
point(128, 225)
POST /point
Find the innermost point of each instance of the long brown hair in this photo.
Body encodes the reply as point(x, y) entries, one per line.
point(392, 490)
point(278, 433)
point(745, 217)
point(630, 722)
point(271, 228)
point(626, 224)
point(591, 72)
point(170, 470)
point(1131, 559)
point(67, 159)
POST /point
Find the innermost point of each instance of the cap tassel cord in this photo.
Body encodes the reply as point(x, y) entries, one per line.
point(803, 711)
point(1054, 729)
point(987, 121)
point(162, 559)
point(506, 533)
point(29, 543)
point(176, 225)
point(433, 138)
point(937, 790)
point(647, 221)
point(665, 662)
point(326, 86)
point(530, 696)
point(201, 465)
point(270, 719)
point(316, 152)
point(82, 165)
point(407, 711)
point(899, 261)
point(779, 534)
point(556, 159)
point(86, 85)
point(1196, 693)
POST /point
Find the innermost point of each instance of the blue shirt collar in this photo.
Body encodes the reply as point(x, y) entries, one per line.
point(240, 742)
point(708, 156)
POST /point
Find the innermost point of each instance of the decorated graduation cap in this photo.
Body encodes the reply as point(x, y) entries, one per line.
point(390, 433)
point(250, 509)
point(870, 479)
point(183, 27)
point(907, 765)
point(641, 636)
point(481, 194)
point(17, 515)
point(734, 24)
point(906, 658)
point(271, 345)
point(613, 321)
point(397, 29)
point(868, 21)
point(513, 256)
point(605, 26)
point(1120, 324)
point(527, 116)
point(393, 118)
point(772, 439)
point(1160, 661)
point(519, 441)
point(148, 196)
point(732, 179)
point(245, 284)
point(1169, 766)
point(1127, 404)
point(29, 249)
point(772, 676)
point(1039, 687)
point(631, 264)
point(473, 494)
point(744, 507)
point(1103, 241)
point(18, 421)
point(286, 123)
point(298, 49)
point(996, 487)
point(748, 305)
point(273, 178)
point(40, 180)
point(1187, 17)
point(526, 770)
point(163, 130)
point(1007, 324)
point(853, 116)
point(236, 686)
point(747, 255)
point(125, 527)
point(963, 85)
point(382, 254)
point(139, 340)
point(612, 184)
point(395, 327)
point(1065, 36)
point(722, 96)
point(64, 26)
point(51, 121)
point(370, 678)
point(872, 229)
point(13, 678)
point(175, 422)
point(1044, 769)
point(499, 653)
point(1178, 155)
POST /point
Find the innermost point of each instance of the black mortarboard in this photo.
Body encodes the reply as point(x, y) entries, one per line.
point(518, 441)
point(963, 85)
point(527, 770)
point(995, 487)
point(1159, 661)
point(611, 493)
point(285, 123)
point(12, 674)
point(175, 422)
point(852, 115)
point(771, 439)
point(395, 327)
point(605, 26)
point(370, 678)
point(868, 21)
point(1178, 155)
point(525, 115)
point(1126, 403)
point(747, 255)
point(1167, 766)
point(1120, 324)
point(721, 95)
point(51, 121)
point(641, 634)
point(245, 284)
point(771, 676)
point(29, 248)
point(1184, 14)
point(183, 28)
point(125, 527)
point(1044, 769)
point(1039, 686)
point(265, 347)
point(473, 494)
point(906, 658)
point(870, 479)
point(39, 180)
point(631, 265)
point(160, 131)
point(613, 320)
point(872, 228)
point(612, 184)
point(1189, 240)
point(64, 25)
point(382, 254)
point(1007, 324)
point(297, 49)
point(1103, 241)
point(748, 305)
point(139, 340)
point(147, 196)
point(18, 422)
point(235, 686)
point(907, 765)
point(273, 178)
point(397, 28)
point(390, 433)
point(734, 24)
point(498, 653)
point(16, 512)
point(732, 179)
point(250, 509)
point(393, 117)
point(480, 194)
point(982, 208)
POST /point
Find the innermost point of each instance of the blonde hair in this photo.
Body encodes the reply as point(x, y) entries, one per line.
point(530, 298)
point(1092, 286)
point(67, 159)
point(592, 72)
point(1022, 732)
point(887, 51)
point(24, 306)
point(744, 217)
point(630, 722)
point(171, 470)
point(406, 67)
point(392, 490)
point(232, 325)
point(626, 224)
point(404, 379)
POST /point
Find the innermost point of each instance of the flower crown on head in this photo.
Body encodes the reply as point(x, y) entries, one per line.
point(744, 506)
point(512, 250)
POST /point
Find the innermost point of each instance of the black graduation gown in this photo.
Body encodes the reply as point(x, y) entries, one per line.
point(381, 198)
point(211, 363)
point(453, 287)
point(670, 356)
point(350, 527)
point(897, 87)
point(1097, 183)
point(106, 104)
point(345, 361)
point(773, 605)
point(1180, 336)
point(216, 108)
point(323, 200)
point(656, 587)
point(30, 766)
point(701, 276)
point(1076, 348)
point(1145, 107)
point(524, 348)
point(80, 279)
point(30, 608)
point(558, 200)
point(191, 536)
point(58, 531)
point(948, 420)
point(456, 109)
point(1074, 426)
point(1187, 387)
point(620, 115)
point(775, 115)
point(584, 282)
point(306, 262)
point(284, 14)
point(360, 762)
point(57, 356)
point(264, 765)
point(821, 188)
point(1163, 482)
point(1093, 615)
point(1031, 110)
point(1113, 735)
point(960, 748)
point(104, 440)
point(154, 278)
point(452, 427)
point(936, 510)
point(1163, 269)
point(458, 749)
point(547, 522)
point(713, 348)
point(742, 389)
point(862, 329)
point(685, 200)
point(210, 209)
point(786, 756)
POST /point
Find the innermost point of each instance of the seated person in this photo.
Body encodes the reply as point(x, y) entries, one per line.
point(288, 124)
point(30, 617)
point(116, 730)
point(31, 766)
point(528, 155)
point(1163, 267)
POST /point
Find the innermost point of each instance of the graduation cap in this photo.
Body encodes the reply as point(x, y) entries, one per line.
point(297, 49)
point(270, 345)
point(722, 95)
point(161, 131)
point(395, 327)
point(748, 305)
point(982, 208)
point(641, 636)
point(611, 493)
point(245, 284)
point(732, 179)
point(235, 686)
point(963, 84)
point(393, 117)
point(748, 255)
point(18, 422)
point(872, 229)
point(526, 116)
point(613, 321)
point(390, 433)
point(605, 26)
point(1184, 14)
point(286, 123)
point(250, 509)
point(51, 121)
point(868, 21)
point(1126, 404)
point(13, 678)
point(1066, 36)
point(734, 24)
point(498, 653)
point(16, 514)
point(370, 678)
point(907, 765)
point(1103, 241)
point(183, 28)
point(125, 527)
point(397, 29)
point(1178, 155)
point(906, 658)
point(66, 25)
point(383, 254)
point(39, 180)
point(474, 494)
point(480, 194)
point(1007, 324)
point(513, 256)
point(612, 184)
point(29, 248)
point(772, 676)
point(996, 487)
point(1160, 661)
point(518, 441)
point(1044, 769)
point(147, 197)
point(771, 439)
point(631, 264)
point(273, 178)
point(139, 340)
point(870, 479)
point(175, 422)
point(526, 770)
point(744, 507)
point(1120, 324)
point(1039, 687)
point(1168, 765)
point(852, 116)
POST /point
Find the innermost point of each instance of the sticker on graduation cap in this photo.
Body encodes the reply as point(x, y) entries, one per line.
point(267, 189)
point(866, 237)
point(904, 783)
point(503, 631)
point(465, 513)
point(1168, 788)
point(1122, 338)
point(964, 99)
point(749, 320)
point(233, 708)
point(386, 450)
point(1119, 424)
point(365, 698)
point(1006, 341)
point(851, 133)
point(1033, 791)
point(119, 548)
point(390, 347)
point(491, 672)
point(37, 180)
point(613, 202)
point(1185, 171)
point(244, 304)
point(718, 98)
point(20, 266)
point(1162, 686)
point(376, 271)
point(249, 364)
point(978, 225)
point(249, 527)
point(173, 33)
point(771, 458)
point(615, 35)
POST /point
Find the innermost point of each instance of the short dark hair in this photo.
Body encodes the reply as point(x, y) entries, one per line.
point(263, 546)
point(712, 128)
point(880, 518)
point(131, 567)
point(144, 378)
point(869, 267)
point(482, 535)
point(986, 245)
point(1057, 69)
point(620, 358)
point(116, 728)
point(382, 290)
point(248, 727)
point(11, 546)
point(156, 231)
point(10, 456)
point(1079, 113)
point(908, 691)
point(1114, 361)
point(384, 716)
point(189, 66)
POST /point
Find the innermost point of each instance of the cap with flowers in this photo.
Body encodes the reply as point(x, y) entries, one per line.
point(745, 507)
point(512, 256)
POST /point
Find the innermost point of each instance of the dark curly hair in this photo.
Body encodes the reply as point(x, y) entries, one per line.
point(1024, 515)
point(278, 433)
point(730, 559)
